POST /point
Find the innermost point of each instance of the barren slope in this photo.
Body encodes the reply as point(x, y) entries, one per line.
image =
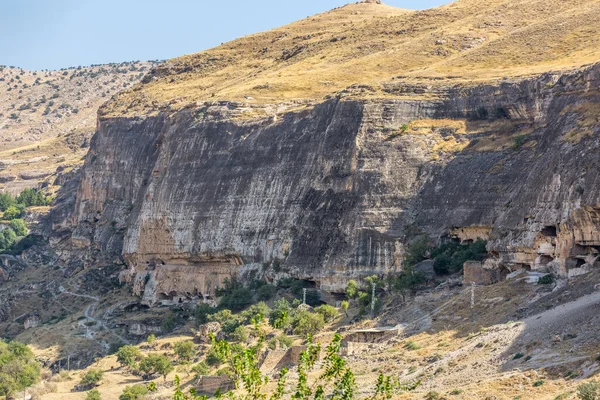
point(367, 43)
point(48, 117)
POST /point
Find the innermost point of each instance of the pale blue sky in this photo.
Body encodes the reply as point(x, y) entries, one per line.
point(52, 34)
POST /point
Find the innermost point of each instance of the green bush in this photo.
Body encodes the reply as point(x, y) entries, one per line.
point(266, 292)
point(135, 392)
point(19, 227)
point(202, 311)
point(240, 334)
point(185, 351)
point(352, 290)
point(546, 280)
point(128, 356)
point(93, 377)
point(410, 345)
point(589, 391)
point(169, 323)
point(12, 212)
point(213, 358)
point(307, 323)
point(18, 368)
point(328, 312)
point(151, 338)
point(201, 369)
point(256, 312)
point(234, 295)
point(450, 257)
point(281, 316)
point(6, 201)
point(33, 197)
point(417, 250)
point(93, 394)
point(285, 341)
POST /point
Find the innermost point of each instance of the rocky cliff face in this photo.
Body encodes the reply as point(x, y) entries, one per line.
point(333, 191)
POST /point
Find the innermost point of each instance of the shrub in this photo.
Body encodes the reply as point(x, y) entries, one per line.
point(134, 392)
point(33, 197)
point(202, 311)
point(417, 251)
point(185, 351)
point(240, 334)
point(93, 377)
point(234, 295)
point(450, 257)
point(285, 341)
point(281, 316)
point(128, 356)
point(256, 312)
point(6, 201)
point(410, 345)
point(93, 394)
point(328, 312)
point(432, 396)
point(169, 323)
point(201, 369)
point(151, 338)
point(589, 391)
point(307, 323)
point(546, 280)
point(266, 292)
point(12, 212)
point(19, 227)
point(213, 358)
point(539, 383)
point(518, 356)
point(519, 141)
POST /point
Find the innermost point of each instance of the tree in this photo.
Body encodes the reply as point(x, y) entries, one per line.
point(134, 392)
point(128, 356)
point(328, 312)
point(185, 351)
point(93, 394)
point(19, 227)
point(156, 365)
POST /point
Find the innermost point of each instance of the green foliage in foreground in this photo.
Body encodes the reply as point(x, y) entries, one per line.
point(335, 380)
point(589, 391)
point(18, 368)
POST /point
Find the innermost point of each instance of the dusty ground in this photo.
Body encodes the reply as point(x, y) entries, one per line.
point(548, 352)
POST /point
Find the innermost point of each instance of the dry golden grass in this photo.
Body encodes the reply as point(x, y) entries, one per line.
point(465, 42)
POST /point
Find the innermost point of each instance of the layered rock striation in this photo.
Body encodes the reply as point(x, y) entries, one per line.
point(333, 190)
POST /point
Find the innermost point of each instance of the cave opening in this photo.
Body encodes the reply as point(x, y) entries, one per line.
point(549, 231)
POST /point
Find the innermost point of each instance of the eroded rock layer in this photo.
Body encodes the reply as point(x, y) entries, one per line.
point(332, 191)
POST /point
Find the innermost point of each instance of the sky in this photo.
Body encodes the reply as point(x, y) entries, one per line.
point(54, 34)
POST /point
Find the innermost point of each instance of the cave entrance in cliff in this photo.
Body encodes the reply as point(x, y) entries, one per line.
point(545, 259)
point(549, 231)
point(574, 263)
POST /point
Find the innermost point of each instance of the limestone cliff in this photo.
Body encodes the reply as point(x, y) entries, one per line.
point(192, 192)
point(331, 191)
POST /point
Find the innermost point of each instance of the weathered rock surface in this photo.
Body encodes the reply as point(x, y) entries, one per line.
point(192, 197)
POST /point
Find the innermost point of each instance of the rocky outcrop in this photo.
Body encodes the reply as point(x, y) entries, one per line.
point(331, 192)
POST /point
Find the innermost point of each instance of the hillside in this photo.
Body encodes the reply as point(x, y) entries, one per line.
point(48, 117)
point(445, 161)
point(464, 43)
